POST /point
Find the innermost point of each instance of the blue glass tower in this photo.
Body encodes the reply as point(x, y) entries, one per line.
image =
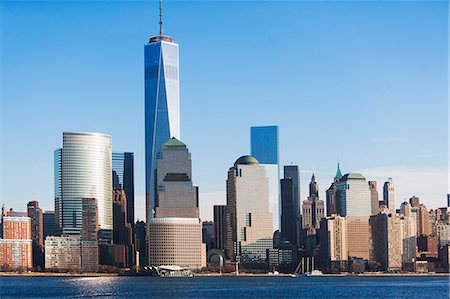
point(162, 105)
point(264, 147)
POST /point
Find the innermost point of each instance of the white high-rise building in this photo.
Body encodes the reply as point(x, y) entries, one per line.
point(264, 147)
point(250, 223)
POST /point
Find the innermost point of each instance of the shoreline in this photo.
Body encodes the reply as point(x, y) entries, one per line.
point(44, 274)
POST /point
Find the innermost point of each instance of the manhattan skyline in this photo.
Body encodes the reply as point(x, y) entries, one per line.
point(364, 84)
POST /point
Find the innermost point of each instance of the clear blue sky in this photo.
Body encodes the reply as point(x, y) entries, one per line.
point(362, 82)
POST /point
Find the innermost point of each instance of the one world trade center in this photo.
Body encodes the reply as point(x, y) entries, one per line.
point(162, 105)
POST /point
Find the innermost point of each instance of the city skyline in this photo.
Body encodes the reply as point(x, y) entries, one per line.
point(423, 162)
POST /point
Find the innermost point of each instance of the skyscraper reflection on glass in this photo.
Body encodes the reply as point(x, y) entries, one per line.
point(83, 170)
point(264, 147)
point(123, 178)
point(162, 105)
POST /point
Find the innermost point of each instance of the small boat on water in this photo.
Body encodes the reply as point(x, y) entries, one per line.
point(314, 273)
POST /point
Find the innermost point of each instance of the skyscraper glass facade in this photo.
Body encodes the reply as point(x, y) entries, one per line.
point(123, 177)
point(264, 144)
point(264, 147)
point(162, 105)
point(83, 170)
point(353, 196)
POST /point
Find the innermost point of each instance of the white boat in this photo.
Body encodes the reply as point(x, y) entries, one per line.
point(314, 273)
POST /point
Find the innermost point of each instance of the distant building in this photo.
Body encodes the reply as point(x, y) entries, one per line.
point(386, 241)
point(83, 170)
point(414, 201)
point(313, 208)
point(290, 204)
point(389, 195)
point(289, 213)
point(443, 233)
point(353, 196)
point(331, 193)
point(374, 198)
point(427, 246)
point(123, 232)
point(49, 225)
point(448, 200)
point(264, 147)
point(208, 234)
point(175, 232)
point(89, 239)
point(141, 248)
point(423, 220)
point(123, 178)
point(63, 253)
point(333, 244)
point(220, 227)
point(37, 233)
point(250, 223)
point(358, 237)
point(15, 242)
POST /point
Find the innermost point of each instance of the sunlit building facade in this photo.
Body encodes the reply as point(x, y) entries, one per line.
point(162, 105)
point(264, 147)
point(83, 170)
point(250, 221)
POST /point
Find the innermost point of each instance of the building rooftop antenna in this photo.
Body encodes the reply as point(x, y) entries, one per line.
point(160, 18)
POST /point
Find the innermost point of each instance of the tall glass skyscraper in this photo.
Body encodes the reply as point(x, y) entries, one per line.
point(264, 147)
point(123, 178)
point(353, 196)
point(83, 170)
point(162, 105)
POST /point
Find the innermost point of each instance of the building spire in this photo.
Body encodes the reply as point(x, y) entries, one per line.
point(338, 172)
point(160, 18)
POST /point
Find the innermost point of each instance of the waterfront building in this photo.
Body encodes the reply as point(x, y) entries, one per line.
point(389, 195)
point(162, 105)
point(208, 234)
point(358, 237)
point(264, 147)
point(331, 193)
point(63, 253)
point(83, 170)
point(374, 198)
point(353, 196)
point(427, 246)
point(175, 231)
point(176, 241)
point(140, 232)
point(250, 222)
point(123, 178)
point(333, 254)
point(386, 241)
point(37, 233)
point(89, 238)
point(15, 241)
point(443, 233)
point(448, 200)
point(49, 225)
point(220, 227)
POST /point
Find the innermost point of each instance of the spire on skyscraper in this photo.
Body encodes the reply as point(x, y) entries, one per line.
point(338, 172)
point(160, 18)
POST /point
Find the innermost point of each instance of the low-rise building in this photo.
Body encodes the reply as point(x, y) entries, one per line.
point(63, 253)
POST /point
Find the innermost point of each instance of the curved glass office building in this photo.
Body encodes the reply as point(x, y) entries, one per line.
point(83, 169)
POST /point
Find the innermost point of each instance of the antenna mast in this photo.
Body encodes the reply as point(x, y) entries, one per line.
point(160, 18)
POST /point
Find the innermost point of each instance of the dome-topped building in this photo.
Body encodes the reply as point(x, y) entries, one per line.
point(246, 160)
